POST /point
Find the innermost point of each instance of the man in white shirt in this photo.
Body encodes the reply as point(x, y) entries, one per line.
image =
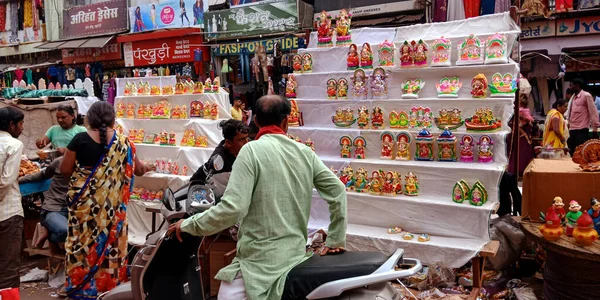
point(11, 210)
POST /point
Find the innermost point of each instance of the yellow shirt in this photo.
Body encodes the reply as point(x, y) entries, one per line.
point(236, 113)
point(550, 138)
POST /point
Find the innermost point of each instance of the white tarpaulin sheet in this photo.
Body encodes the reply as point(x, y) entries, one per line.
point(360, 36)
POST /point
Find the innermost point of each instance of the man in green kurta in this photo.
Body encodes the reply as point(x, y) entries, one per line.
point(270, 192)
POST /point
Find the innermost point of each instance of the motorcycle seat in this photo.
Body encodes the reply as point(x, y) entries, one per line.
point(318, 270)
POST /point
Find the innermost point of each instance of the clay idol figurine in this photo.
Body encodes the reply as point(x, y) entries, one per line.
point(403, 140)
point(342, 28)
point(442, 48)
point(479, 195)
point(479, 86)
point(485, 153)
point(359, 84)
point(419, 53)
point(466, 149)
point(448, 87)
point(345, 144)
point(424, 143)
point(290, 87)
point(332, 86)
point(324, 30)
point(446, 146)
point(342, 88)
point(307, 63)
point(363, 117)
point(387, 145)
point(352, 60)
point(572, 216)
point(406, 55)
point(411, 185)
point(503, 85)
point(411, 88)
point(398, 120)
point(495, 51)
point(386, 54)
point(461, 192)
point(470, 51)
point(379, 85)
point(360, 145)
point(366, 56)
point(377, 118)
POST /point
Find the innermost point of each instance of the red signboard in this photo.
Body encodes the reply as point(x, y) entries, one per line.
point(95, 19)
point(164, 51)
point(86, 55)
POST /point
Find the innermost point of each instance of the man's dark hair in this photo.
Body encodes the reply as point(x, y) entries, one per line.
point(272, 110)
point(10, 115)
point(232, 127)
point(578, 82)
point(560, 102)
point(569, 91)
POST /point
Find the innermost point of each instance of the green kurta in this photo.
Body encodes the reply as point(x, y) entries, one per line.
point(270, 191)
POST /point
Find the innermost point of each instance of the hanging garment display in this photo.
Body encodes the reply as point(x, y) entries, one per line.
point(14, 22)
point(472, 8)
point(456, 10)
point(2, 17)
point(488, 7)
point(28, 13)
point(440, 11)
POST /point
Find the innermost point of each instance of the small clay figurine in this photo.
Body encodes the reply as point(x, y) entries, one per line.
point(363, 118)
point(198, 87)
point(479, 195)
point(208, 85)
point(366, 56)
point(411, 88)
point(461, 192)
point(483, 120)
point(572, 216)
point(479, 86)
point(130, 113)
point(419, 53)
point(196, 109)
point(360, 143)
point(411, 185)
point(446, 146)
point(407, 236)
point(495, 51)
point(386, 54)
point(342, 28)
point(406, 55)
point(594, 213)
point(585, 234)
point(503, 85)
point(307, 63)
point(376, 183)
point(359, 84)
point(424, 143)
point(332, 86)
point(398, 120)
point(379, 85)
point(466, 149)
point(451, 118)
point(352, 60)
point(361, 183)
point(403, 140)
point(297, 63)
point(442, 48)
point(342, 89)
point(470, 51)
point(485, 153)
point(343, 118)
point(387, 145)
point(448, 87)
point(121, 107)
point(424, 237)
point(324, 30)
point(345, 144)
point(377, 118)
point(294, 117)
point(551, 229)
point(290, 87)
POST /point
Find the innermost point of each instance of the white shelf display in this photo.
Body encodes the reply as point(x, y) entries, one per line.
point(457, 231)
point(189, 156)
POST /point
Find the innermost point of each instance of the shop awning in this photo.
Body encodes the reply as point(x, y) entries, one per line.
point(95, 42)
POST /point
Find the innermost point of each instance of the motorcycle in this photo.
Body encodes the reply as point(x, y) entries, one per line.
point(168, 269)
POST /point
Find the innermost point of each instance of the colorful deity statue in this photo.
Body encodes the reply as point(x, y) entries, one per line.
point(485, 153)
point(448, 87)
point(442, 49)
point(419, 53)
point(345, 144)
point(388, 184)
point(332, 87)
point(379, 85)
point(360, 144)
point(406, 55)
point(324, 30)
point(366, 56)
point(446, 146)
point(361, 182)
point(359, 85)
point(398, 120)
point(461, 192)
point(342, 28)
point(424, 143)
point(451, 118)
point(297, 63)
point(386, 53)
point(503, 85)
point(411, 185)
point(352, 60)
point(387, 145)
point(403, 140)
point(307, 63)
point(495, 51)
point(411, 88)
point(479, 195)
point(196, 109)
point(290, 87)
point(294, 117)
point(376, 183)
point(466, 149)
point(342, 88)
point(377, 118)
point(343, 118)
point(470, 51)
point(479, 86)
point(483, 120)
point(363, 118)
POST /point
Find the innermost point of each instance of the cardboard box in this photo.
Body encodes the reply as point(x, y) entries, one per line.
point(546, 179)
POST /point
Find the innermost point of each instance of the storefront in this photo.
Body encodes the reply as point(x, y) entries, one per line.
point(174, 52)
point(571, 42)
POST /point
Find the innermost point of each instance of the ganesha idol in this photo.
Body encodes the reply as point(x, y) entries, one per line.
point(343, 33)
point(379, 85)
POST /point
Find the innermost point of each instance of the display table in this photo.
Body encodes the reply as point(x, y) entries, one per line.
point(567, 179)
point(568, 266)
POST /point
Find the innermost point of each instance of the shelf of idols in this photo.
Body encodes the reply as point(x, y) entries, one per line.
point(204, 127)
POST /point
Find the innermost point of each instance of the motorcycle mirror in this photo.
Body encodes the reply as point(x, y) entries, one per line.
point(218, 163)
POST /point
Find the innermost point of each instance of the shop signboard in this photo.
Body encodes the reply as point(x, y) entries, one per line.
point(167, 14)
point(286, 44)
point(109, 52)
point(578, 26)
point(95, 19)
point(583, 64)
point(233, 3)
point(159, 52)
point(539, 29)
point(261, 18)
point(370, 10)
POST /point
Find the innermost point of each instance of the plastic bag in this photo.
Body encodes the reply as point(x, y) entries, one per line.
point(511, 238)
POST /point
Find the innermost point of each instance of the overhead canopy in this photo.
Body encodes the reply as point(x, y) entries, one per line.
point(95, 42)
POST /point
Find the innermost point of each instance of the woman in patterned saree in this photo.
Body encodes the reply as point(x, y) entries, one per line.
point(101, 164)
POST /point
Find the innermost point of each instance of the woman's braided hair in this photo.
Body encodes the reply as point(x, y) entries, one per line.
point(100, 116)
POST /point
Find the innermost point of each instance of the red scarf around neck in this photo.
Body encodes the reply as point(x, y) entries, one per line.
point(271, 129)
